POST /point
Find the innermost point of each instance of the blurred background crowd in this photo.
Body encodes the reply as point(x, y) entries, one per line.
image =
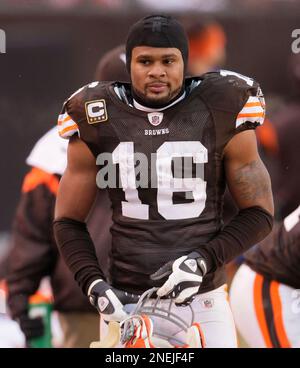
point(53, 47)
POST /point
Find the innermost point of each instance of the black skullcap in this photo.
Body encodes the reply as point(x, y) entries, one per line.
point(157, 31)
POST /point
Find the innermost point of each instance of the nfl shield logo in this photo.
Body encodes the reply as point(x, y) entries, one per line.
point(155, 118)
point(208, 303)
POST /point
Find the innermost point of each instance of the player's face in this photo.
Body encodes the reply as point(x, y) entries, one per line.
point(156, 73)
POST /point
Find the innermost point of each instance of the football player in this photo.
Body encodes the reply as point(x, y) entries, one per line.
point(265, 293)
point(173, 143)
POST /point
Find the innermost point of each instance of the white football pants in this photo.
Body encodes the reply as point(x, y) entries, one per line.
point(266, 313)
point(211, 310)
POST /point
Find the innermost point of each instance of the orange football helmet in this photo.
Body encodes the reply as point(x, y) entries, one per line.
point(139, 329)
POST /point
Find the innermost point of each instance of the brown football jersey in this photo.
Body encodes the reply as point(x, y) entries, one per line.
point(164, 169)
point(277, 257)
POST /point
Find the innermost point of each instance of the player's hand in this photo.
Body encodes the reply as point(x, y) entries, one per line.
point(110, 301)
point(31, 327)
point(185, 276)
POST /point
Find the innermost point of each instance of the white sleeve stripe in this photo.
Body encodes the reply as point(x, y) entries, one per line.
point(61, 117)
point(68, 128)
point(253, 99)
point(253, 103)
point(68, 131)
point(66, 124)
point(253, 112)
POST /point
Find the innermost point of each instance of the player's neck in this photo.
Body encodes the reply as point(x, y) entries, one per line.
point(138, 105)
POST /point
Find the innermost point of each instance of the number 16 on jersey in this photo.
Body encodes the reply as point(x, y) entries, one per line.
point(193, 187)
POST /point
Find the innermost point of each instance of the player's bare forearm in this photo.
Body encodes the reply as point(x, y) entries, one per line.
point(248, 179)
point(77, 189)
point(250, 185)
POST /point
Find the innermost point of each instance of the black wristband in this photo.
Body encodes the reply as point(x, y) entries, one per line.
point(77, 248)
point(246, 229)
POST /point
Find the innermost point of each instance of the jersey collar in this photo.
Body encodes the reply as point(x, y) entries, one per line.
point(138, 106)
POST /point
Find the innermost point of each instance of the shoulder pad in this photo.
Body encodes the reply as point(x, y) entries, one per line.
point(76, 108)
point(228, 91)
point(253, 110)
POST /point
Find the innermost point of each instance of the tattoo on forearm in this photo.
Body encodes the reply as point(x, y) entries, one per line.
point(252, 181)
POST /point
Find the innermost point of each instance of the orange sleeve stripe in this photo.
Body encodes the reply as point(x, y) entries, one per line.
point(60, 122)
point(252, 104)
point(67, 129)
point(251, 115)
point(277, 313)
point(259, 310)
point(37, 177)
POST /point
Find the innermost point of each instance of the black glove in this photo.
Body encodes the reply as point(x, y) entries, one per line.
point(110, 301)
point(31, 327)
point(185, 276)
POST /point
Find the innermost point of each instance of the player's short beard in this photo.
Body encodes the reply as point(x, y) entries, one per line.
point(153, 102)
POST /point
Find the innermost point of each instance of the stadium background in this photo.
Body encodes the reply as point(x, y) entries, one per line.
point(52, 48)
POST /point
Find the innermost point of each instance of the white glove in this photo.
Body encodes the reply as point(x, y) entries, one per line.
point(185, 278)
point(110, 301)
